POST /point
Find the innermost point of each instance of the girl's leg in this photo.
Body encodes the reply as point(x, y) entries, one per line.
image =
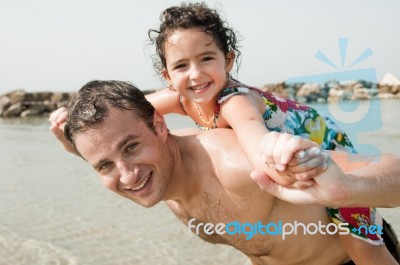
point(363, 253)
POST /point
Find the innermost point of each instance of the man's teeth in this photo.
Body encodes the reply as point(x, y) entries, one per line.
point(142, 185)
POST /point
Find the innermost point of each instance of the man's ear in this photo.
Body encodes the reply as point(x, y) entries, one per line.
point(159, 125)
point(229, 61)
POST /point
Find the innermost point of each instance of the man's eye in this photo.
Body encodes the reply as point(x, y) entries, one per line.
point(105, 166)
point(130, 147)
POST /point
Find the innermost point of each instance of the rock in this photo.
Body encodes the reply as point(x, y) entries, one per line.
point(60, 96)
point(332, 99)
point(301, 100)
point(308, 89)
point(41, 96)
point(389, 80)
point(54, 105)
point(366, 84)
point(34, 110)
point(373, 92)
point(395, 89)
point(333, 92)
point(16, 96)
point(386, 96)
point(275, 89)
point(360, 94)
point(5, 103)
point(383, 89)
point(13, 111)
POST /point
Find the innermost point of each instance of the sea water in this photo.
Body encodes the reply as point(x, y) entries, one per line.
point(53, 209)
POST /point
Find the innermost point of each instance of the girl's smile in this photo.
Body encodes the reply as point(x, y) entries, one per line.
point(195, 66)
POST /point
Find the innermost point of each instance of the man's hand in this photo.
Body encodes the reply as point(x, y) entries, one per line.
point(328, 189)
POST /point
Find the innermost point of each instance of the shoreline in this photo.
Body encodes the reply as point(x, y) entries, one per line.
point(19, 103)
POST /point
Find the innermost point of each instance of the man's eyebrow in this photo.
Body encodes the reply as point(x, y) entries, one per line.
point(99, 163)
point(124, 140)
point(120, 144)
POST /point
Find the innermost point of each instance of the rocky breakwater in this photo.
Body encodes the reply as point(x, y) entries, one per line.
point(20, 103)
point(330, 91)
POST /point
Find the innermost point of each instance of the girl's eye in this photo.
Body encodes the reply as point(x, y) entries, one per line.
point(208, 58)
point(178, 66)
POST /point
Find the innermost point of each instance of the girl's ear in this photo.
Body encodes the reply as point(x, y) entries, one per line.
point(165, 75)
point(229, 60)
point(167, 78)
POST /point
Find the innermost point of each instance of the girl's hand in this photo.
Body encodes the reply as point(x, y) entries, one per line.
point(57, 121)
point(296, 160)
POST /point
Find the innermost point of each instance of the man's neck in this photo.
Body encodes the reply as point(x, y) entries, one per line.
point(184, 183)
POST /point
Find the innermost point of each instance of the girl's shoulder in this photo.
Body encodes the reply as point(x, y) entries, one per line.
point(230, 91)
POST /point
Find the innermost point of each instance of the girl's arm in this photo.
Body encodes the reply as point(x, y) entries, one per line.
point(166, 101)
point(57, 121)
point(243, 114)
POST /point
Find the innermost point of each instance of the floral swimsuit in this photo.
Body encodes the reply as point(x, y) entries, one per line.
point(288, 116)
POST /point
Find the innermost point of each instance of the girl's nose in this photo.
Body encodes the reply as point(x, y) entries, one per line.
point(195, 72)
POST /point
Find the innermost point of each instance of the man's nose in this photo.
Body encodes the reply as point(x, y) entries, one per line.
point(128, 172)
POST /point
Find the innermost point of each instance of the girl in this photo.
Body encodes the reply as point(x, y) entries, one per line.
point(196, 51)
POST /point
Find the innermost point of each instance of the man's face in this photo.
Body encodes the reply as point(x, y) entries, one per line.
point(131, 158)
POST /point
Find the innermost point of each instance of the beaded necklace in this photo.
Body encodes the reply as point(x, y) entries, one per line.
point(212, 120)
point(200, 113)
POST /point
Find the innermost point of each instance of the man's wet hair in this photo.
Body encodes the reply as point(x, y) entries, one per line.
point(92, 104)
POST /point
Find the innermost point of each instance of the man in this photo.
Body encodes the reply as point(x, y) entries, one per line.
point(203, 177)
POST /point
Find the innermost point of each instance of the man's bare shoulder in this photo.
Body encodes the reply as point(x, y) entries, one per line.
point(228, 160)
point(219, 138)
point(186, 132)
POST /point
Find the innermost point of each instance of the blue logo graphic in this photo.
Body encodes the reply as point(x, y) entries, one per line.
point(368, 230)
point(354, 117)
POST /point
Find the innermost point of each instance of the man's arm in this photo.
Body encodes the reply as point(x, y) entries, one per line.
point(350, 180)
point(377, 183)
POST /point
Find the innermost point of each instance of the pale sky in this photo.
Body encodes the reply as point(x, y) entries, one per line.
point(59, 45)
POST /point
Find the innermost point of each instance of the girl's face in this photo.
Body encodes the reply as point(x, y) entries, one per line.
point(195, 66)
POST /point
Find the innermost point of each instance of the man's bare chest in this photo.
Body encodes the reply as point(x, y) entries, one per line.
point(226, 221)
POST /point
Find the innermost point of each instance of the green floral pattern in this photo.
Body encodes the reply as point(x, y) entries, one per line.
point(288, 116)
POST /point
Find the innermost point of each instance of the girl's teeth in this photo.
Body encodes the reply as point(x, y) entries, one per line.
point(200, 87)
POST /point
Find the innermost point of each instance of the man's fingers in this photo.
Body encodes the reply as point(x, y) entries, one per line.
point(264, 182)
point(303, 184)
point(312, 173)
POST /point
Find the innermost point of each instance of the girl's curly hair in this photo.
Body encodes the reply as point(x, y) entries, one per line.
point(189, 16)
